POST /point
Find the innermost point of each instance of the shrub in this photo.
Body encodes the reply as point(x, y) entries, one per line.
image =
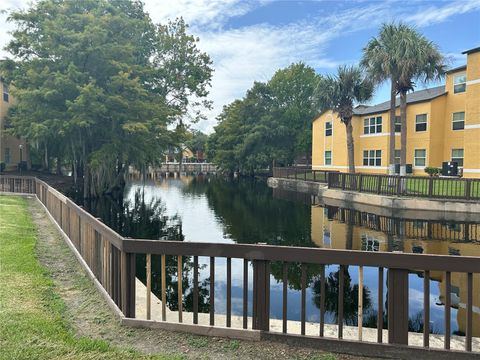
point(433, 171)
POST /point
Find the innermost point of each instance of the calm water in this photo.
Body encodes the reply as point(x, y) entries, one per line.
point(215, 210)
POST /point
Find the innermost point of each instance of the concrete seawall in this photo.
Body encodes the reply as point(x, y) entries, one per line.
point(395, 204)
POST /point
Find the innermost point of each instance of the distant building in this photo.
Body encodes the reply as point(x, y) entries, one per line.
point(443, 125)
point(13, 150)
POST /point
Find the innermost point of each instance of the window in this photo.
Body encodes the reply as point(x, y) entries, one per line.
point(420, 157)
point(328, 128)
point(458, 121)
point(398, 124)
point(5, 92)
point(421, 122)
point(459, 83)
point(372, 157)
point(397, 156)
point(457, 156)
point(7, 156)
point(372, 125)
point(328, 158)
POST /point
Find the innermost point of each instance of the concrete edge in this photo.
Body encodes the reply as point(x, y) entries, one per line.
point(242, 334)
point(381, 201)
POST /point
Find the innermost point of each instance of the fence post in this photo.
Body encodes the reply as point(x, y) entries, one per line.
point(379, 184)
point(127, 274)
point(360, 180)
point(398, 306)
point(343, 180)
point(261, 295)
point(467, 189)
point(430, 187)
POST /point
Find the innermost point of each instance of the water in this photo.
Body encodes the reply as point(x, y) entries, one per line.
point(206, 209)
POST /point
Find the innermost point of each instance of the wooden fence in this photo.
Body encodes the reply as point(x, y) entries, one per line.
point(111, 259)
point(301, 173)
point(418, 186)
point(391, 185)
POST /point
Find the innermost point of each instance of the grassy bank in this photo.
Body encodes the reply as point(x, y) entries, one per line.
point(32, 321)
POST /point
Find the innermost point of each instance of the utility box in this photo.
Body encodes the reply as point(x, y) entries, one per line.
point(449, 168)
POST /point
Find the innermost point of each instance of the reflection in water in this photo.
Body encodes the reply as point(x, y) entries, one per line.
point(246, 211)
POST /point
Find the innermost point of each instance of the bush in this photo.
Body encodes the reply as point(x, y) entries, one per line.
point(433, 171)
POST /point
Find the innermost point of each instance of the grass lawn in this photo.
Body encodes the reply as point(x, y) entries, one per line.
point(32, 315)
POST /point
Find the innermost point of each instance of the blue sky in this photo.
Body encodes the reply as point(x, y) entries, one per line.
point(250, 40)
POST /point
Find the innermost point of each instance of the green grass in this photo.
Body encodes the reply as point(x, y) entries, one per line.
point(33, 324)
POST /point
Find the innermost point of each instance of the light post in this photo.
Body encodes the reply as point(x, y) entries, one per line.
point(21, 157)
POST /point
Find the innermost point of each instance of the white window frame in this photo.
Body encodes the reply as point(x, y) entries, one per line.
point(375, 122)
point(457, 157)
point(417, 123)
point(6, 92)
point(464, 83)
point(415, 158)
point(325, 157)
point(373, 158)
point(326, 128)
point(457, 121)
point(395, 152)
point(398, 123)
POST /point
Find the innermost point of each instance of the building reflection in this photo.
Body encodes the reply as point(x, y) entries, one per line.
point(339, 228)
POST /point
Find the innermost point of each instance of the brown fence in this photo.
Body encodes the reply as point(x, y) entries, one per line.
point(301, 173)
point(111, 258)
point(429, 187)
point(392, 185)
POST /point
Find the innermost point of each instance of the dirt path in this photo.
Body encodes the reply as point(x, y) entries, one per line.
point(90, 316)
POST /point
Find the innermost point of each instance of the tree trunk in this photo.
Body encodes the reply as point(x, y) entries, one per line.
point(403, 134)
point(86, 173)
point(391, 144)
point(47, 167)
point(350, 147)
point(59, 165)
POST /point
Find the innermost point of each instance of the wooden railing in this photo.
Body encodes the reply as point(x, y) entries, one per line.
point(111, 259)
point(418, 186)
point(390, 185)
point(301, 173)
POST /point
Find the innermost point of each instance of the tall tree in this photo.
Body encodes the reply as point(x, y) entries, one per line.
point(340, 93)
point(403, 55)
point(380, 59)
point(419, 60)
point(102, 80)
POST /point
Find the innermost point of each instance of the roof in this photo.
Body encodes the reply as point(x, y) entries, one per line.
point(458, 68)
point(414, 97)
point(471, 50)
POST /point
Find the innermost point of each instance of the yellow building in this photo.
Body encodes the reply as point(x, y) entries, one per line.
point(12, 149)
point(443, 124)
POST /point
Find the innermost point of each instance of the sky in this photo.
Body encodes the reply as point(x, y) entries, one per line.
point(249, 40)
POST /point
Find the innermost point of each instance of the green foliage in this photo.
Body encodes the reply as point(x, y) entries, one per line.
point(98, 83)
point(271, 123)
point(197, 141)
point(433, 171)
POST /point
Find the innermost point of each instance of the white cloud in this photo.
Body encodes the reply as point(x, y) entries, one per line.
point(436, 14)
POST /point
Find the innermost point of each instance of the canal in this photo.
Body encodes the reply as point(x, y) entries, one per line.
point(211, 209)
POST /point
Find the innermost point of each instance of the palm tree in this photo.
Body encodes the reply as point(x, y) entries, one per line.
point(339, 93)
point(403, 55)
point(419, 60)
point(381, 63)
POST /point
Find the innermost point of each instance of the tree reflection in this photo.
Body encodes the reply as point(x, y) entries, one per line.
point(350, 306)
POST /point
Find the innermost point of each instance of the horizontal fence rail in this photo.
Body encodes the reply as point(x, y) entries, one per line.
point(390, 185)
point(115, 262)
point(301, 173)
point(417, 186)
